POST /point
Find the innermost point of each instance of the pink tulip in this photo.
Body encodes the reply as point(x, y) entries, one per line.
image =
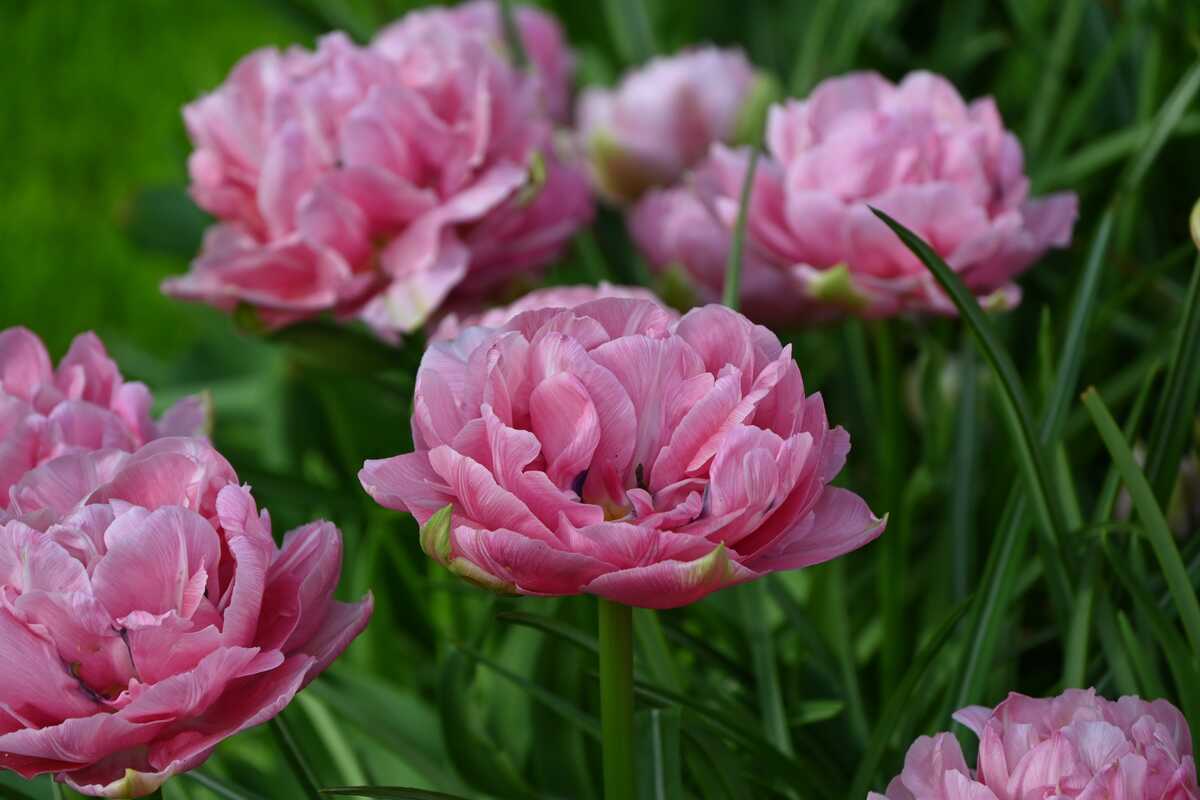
point(675, 231)
point(664, 116)
point(947, 170)
point(1075, 745)
point(452, 326)
point(374, 182)
point(82, 405)
point(617, 450)
point(146, 615)
point(544, 43)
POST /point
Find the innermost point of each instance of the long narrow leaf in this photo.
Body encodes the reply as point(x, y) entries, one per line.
point(1173, 421)
point(660, 772)
point(1152, 518)
point(1016, 407)
point(631, 29)
point(389, 791)
point(295, 759)
point(898, 703)
point(733, 269)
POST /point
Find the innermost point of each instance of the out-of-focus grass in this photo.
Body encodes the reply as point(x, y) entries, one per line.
point(91, 102)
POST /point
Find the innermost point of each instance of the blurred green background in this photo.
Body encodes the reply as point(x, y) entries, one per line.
point(95, 215)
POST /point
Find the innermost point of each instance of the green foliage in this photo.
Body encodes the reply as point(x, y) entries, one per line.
point(813, 683)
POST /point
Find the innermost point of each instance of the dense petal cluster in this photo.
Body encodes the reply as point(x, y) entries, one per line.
point(615, 449)
point(374, 181)
point(83, 404)
point(1075, 745)
point(452, 325)
point(946, 169)
point(146, 614)
point(663, 117)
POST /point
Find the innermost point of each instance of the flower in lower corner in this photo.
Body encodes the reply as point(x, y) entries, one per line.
point(1075, 745)
point(615, 449)
point(146, 614)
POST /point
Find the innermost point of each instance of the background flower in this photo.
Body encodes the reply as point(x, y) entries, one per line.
point(616, 450)
point(83, 404)
point(146, 614)
point(662, 118)
point(373, 181)
point(1075, 745)
point(947, 170)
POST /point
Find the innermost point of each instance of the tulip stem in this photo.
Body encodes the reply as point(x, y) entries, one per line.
point(616, 698)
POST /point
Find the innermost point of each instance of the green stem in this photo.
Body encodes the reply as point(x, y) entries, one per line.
point(616, 698)
point(733, 269)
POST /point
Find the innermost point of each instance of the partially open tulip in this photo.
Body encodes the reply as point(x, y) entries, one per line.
point(146, 614)
point(945, 169)
point(83, 404)
point(615, 449)
point(551, 297)
point(1075, 745)
point(375, 181)
point(664, 116)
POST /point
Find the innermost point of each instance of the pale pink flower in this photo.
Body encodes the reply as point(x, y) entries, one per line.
point(83, 404)
point(452, 325)
point(615, 449)
point(544, 43)
point(677, 232)
point(663, 117)
point(146, 614)
point(374, 181)
point(947, 170)
point(1075, 745)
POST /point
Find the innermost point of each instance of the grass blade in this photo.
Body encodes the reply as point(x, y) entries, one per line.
point(660, 770)
point(1163, 126)
point(631, 29)
point(512, 35)
point(1148, 510)
point(584, 721)
point(1173, 421)
point(389, 791)
point(733, 269)
point(1045, 105)
point(218, 788)
point(898, 703)
point(762, 652)
point(295, 759)
point(1016, 407)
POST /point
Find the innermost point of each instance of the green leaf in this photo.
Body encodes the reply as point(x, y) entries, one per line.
point(389, 791)
point(553, 627)
point(753, 599)
point(1169, 116)
point(737, 250)
point(1037, 475)
point(631, 29)
point(1180, 661)
point(1148, 510)
point(295, 759)
point(9, 793)
point(659, 767)
point(219, 788)
point(810, 712)
point(565, 709)
point(653, 650)
point(1147, 674)
point(512, 36)
point(1173, 420)
point(1046, 104)
point(898, 704)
